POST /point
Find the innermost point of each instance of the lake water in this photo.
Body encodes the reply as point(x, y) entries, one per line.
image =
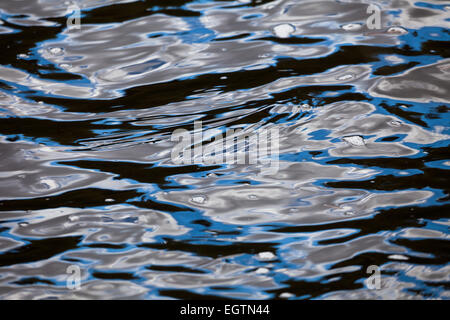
point(93, 205)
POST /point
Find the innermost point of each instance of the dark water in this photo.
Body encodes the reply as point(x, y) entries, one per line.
point(86, 176)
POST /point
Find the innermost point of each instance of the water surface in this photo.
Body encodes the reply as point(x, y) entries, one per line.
point(87, 179)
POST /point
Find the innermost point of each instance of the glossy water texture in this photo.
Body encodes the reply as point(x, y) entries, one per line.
point(86, 176)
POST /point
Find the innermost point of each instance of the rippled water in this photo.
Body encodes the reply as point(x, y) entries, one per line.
point(86, 117)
